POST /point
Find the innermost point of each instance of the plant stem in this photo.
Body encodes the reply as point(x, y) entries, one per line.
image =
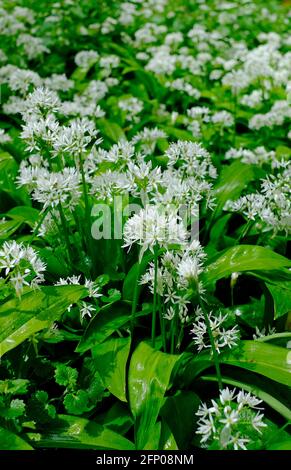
point(65, 230)
point(214, 351)
point(162, 324)
point(135, 299)
point(87, 212)
point(154, 317)
point(34, 233)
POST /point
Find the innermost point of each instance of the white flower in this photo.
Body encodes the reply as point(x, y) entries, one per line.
point(226, 395)
point(154, 226)
point(238, 442)
point(231, 417)
point(248, 399)
point(189, 269)
point(42, 101)
point(222, 337)
point(224, 118)
point(53, 189)
point(257, 422)
point(21, 265)
point(86, 59)
point(230, 421)
point(87, 309)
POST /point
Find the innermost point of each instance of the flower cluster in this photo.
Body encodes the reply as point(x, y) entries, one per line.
point(234, 422)
point(21, 266)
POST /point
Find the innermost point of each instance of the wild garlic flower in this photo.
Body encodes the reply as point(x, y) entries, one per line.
point(75, 138)
point(53, 188)
point(223, 119)
point(170, 285)
point(222, 336)
point(21, 266)
point(33, 46)
point(132, 107)
point(271, 206)
point(93, 292)
point(154, 226)
point(192, 159)
point(231, 422)
point(42, 101)
point(86, 59)
point(263, 332)
point(148, 139)
point(257, 156)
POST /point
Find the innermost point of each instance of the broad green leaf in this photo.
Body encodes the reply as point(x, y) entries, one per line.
point(273, 402)
point(167, 440)
point(111, 130)
point(233, 179)
point(8, 172)
point(10, 441)
point(24, 214)
point(8, 227)
point(245, 258)
point(149, 378)
point(179, 412)
point(110, 358)
point(108, 319)
point(281, 293)
point(118, 418)
point(34, 311)
point(136, 271)
point(262, 358)
point(71, 432)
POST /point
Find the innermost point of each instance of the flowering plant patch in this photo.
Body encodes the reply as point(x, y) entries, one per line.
point(144, 223)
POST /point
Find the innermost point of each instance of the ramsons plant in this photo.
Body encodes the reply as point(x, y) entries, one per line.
point(145, 217)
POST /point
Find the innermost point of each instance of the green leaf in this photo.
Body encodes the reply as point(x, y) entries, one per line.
point(66, 376)
point(167, 439)
point(179, 412)
point(262, 358)
point(233, 179)
point(281, 293)
point(118, 418)
point(24, 214)
point(10, 441)
point(108, 319)
point(111, 130)
point(8, 227)
point(14, 387)
point(71, 432)
point(137, 270)
point(77, 403)
point(149, 379)
point(15, 409)
point(110, 360)
point(21, 318)
point(39, 409)
point(245, 258)
point(8, 172)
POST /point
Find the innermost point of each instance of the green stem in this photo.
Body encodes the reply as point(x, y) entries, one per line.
point(154, 317)
point(173, 333)
point(135, 299)
point(214, 351)
point(162, 324)
point(65, 230)
point(85, 192)
point(87, 214)
point(34, 233)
